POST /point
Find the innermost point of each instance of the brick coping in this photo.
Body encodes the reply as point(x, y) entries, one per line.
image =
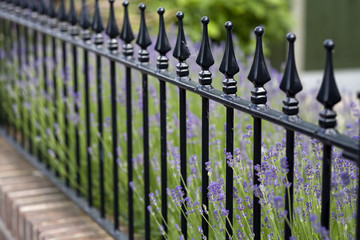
point(32, 208)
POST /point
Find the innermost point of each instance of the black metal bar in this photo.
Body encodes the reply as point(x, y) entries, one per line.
point(27, 62)
point(88, 131)
point(100, 129)
point(19, 81)
point(114, 144)
point(129, 152)
point(76, 125)
point(55, 97)
point(326, 187)
point(144, 41)
point(98, 28)
point(163, 46)
point(205, 160)
point(36, 68)
point(183, 163)
point(257, 161)
point(289, 192)
point(146, 154)
point(229, 170)
point(163, 154)
point(46, 92)
point(66, 105)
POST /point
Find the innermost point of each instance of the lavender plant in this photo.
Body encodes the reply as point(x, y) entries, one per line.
point(28, 99)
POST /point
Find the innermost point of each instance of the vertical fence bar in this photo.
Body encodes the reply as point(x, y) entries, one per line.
point(43, 20)
point(181, 52)
point(37, 75)
point(127, 36)
point(54, 125)
point(98, 28)
point(63, 28)
point(325, 191)
point(85, 35)
point(205, 60)
point(291, 85)
point(229, 68)
point(162, 46)
point(258, 75)
point(74, 32)
point(257, 162)
point(144, 41)
point(328, 95)
point(112, 31)
point(28, 82)
point(19, 82)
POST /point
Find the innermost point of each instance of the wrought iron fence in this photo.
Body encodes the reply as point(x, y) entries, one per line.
point(22, 19)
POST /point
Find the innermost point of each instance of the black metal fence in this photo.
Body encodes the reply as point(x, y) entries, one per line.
point(21, 19)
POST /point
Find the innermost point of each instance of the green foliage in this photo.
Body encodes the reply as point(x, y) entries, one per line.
point(246, 15)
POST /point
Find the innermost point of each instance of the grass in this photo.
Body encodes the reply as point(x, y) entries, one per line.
point(24, 101)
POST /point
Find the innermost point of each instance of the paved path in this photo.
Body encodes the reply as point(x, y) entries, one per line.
point(31, 208)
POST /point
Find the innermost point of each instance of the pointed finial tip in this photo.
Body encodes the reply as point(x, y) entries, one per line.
point(142, 6)
point(291, 37)
point(205, 20)
point(161, 10)
point(180, 15)
point(125, 3)
point(329, 44)
point(228, 25)
point(259, 31)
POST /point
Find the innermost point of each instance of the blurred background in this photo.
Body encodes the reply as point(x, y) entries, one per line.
point(311, 21)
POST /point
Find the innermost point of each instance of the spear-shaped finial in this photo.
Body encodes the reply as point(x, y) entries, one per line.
point(181, 50)
point(62, 11)
point(143, 39)
point(23, 3)
point(162, 45)
point(43, 11)
point(62, 17)
point(84, 16)
point(97, 25)
point(112, 29)
point(85, 22)
point(33, 6)
point(229, 66)
point(51, 9)
point(72, 19)
point(329, 94)
point(42, 7)
point(259, 74)
point(290, 83)
point(205, 58)
point(126, 32)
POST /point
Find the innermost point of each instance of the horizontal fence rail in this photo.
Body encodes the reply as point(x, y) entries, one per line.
point(39, 23)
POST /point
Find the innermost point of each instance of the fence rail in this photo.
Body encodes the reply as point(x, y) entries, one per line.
point(43, 20)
